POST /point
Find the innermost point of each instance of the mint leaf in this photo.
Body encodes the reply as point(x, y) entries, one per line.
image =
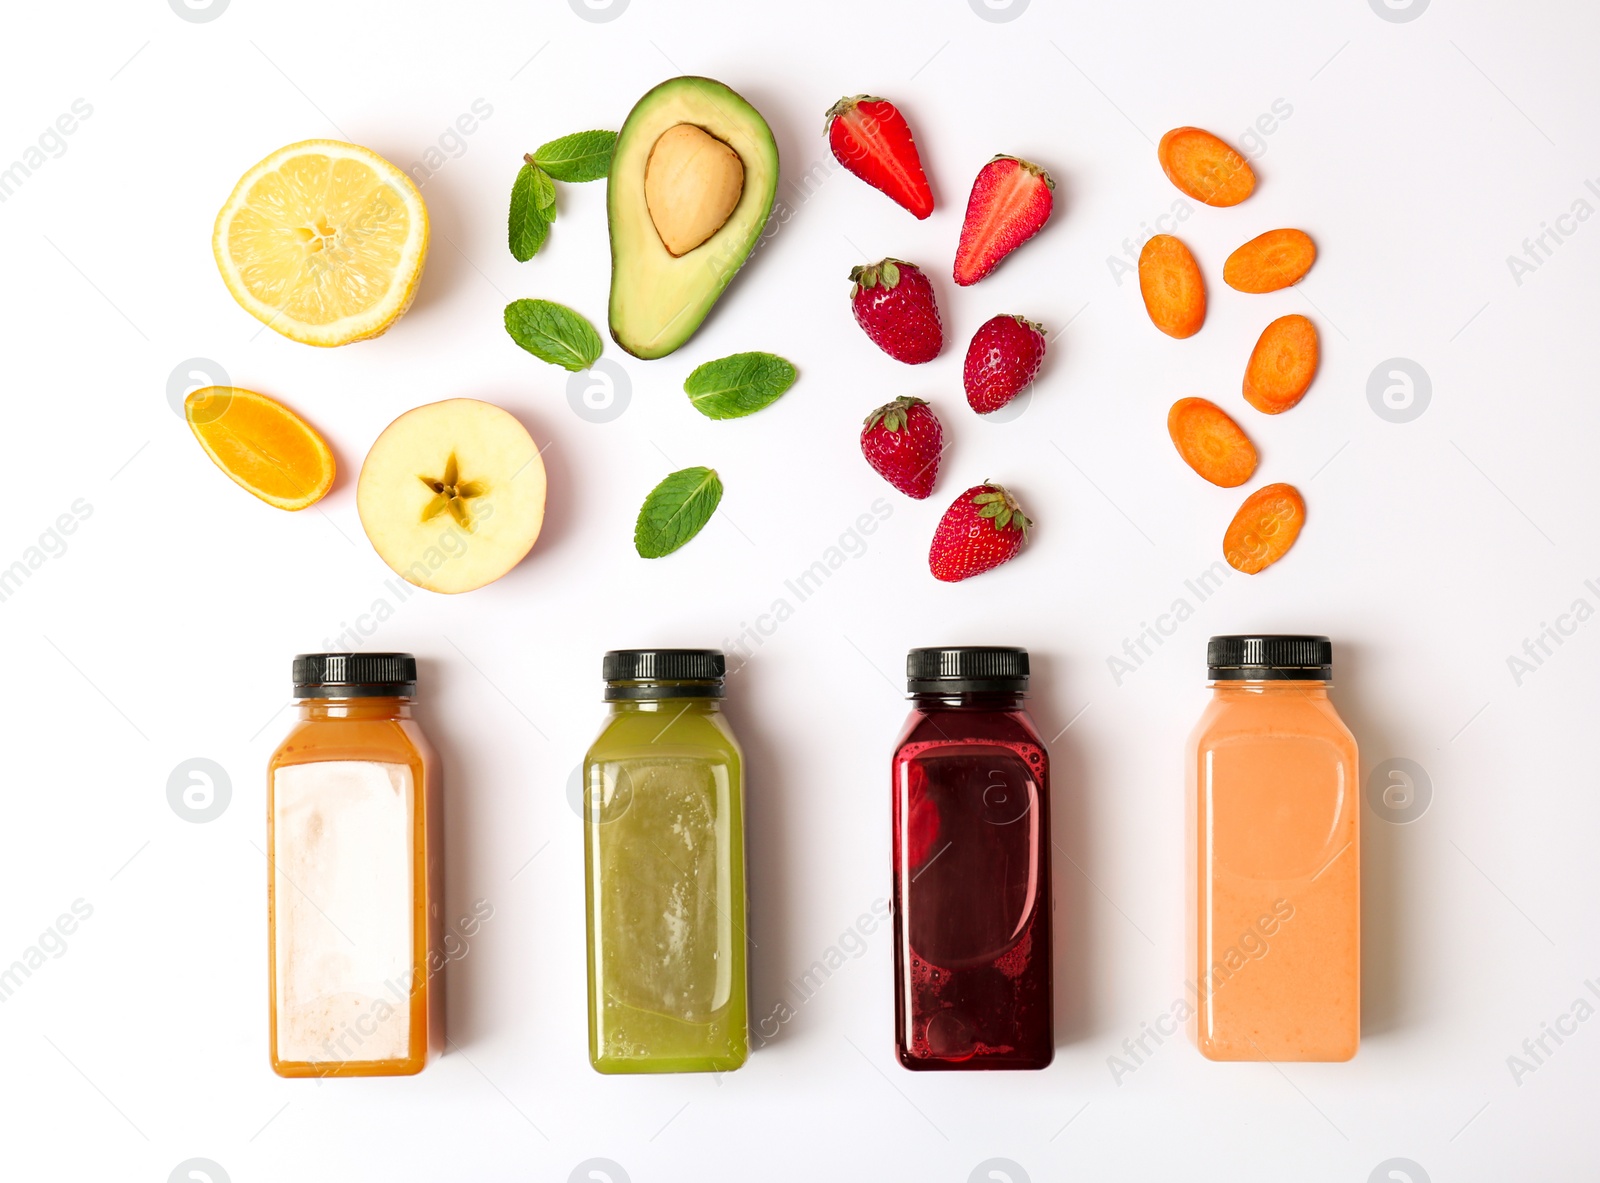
point(544, 193)
point(529, 224)
point(675, 511)
point(582, 156)
point(742, 384)
point(553, 333)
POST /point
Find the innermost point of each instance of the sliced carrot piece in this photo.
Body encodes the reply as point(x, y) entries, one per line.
point(262, 445)
point(1174, 291)
point(1210, 442)
point(1276, 259)
point(1282, 365)
point(1265, 528)
point(1204, 167)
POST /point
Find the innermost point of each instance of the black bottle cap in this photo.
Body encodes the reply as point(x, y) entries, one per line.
point(967, 669)
point(1272, 658)
point(355, 675)
point(644, 674)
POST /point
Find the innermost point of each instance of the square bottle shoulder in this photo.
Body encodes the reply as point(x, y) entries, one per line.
point(629, 735)
point(1227, 722)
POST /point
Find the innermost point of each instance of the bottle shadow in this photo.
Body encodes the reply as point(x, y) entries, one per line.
point(465, 820)
point(1387, 915)
point(770, 870)
point(1073, 929)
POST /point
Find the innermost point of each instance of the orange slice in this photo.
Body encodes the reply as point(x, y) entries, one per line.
point(262, 445)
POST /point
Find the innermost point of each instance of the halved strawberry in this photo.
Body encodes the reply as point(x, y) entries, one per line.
point(1011, 200)
point(871, 139)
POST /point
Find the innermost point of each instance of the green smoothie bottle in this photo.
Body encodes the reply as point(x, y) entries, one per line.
point(663, 825)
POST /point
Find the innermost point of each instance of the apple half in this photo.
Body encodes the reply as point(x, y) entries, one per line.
point(451, 495)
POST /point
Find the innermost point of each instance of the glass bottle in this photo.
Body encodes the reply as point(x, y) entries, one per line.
point(664, 863)
point(355, 887)
point(1274, 917)
point(972, 895)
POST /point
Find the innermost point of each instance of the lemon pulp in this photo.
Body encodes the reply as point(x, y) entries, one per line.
point(324, 242)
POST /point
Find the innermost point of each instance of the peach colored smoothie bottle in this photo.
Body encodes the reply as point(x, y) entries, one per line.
point(1274, 845)
point(355, 887)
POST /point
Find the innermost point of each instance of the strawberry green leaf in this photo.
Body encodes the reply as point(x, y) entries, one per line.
point(675, 511)
point(732, 387)
point(553, 333)
point(582, 156)
point(893, 416)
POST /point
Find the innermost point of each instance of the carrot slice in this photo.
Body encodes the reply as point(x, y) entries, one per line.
point(1282, 365)
point(1276, 259)
point(1174, 291)
point(1265, 528)
point(1210, 442)
point(1204, 167)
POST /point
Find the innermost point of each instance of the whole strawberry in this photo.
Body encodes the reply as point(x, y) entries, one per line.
point(1010, 202)
point(1004, 357)
point(893, 301)
point(984, 528)
point(903, 441)
point(870, 138)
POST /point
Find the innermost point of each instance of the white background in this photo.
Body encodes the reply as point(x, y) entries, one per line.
point(1419, 154)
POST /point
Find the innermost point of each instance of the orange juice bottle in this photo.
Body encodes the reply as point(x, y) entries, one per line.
point(354, 887)
point(1275, 858)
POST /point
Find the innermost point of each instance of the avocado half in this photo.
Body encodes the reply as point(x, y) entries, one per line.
point(658, 301)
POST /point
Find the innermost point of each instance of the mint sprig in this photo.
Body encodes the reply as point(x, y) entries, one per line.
point(582, 156)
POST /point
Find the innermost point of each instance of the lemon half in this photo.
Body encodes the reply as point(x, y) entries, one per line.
point(323, 241)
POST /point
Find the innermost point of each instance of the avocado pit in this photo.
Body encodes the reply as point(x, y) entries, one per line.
point(692, 182)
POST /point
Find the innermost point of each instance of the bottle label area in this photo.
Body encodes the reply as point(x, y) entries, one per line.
point(343, 940)
point(666, 929)
point(972, 889)
point(972, 871)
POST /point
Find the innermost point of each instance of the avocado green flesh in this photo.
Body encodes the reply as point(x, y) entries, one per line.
point(657, 301)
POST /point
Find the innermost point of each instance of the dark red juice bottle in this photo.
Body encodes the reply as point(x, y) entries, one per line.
point(972, 895)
